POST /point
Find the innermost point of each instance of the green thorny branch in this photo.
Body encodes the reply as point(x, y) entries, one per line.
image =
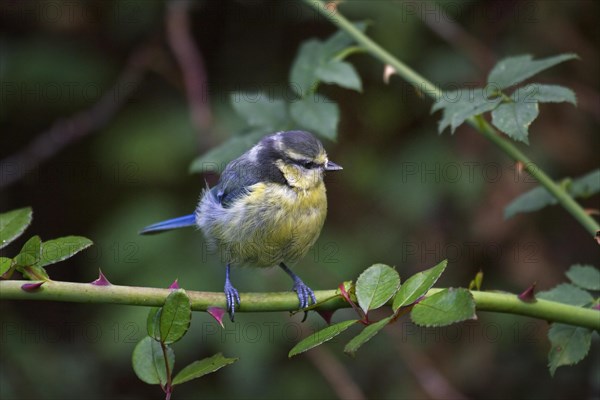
point(330, 12)
point(280, 301)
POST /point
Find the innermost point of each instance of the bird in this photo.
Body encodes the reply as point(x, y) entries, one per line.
point(266, 210)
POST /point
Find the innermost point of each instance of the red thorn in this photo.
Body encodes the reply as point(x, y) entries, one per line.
point(217, 313)
point(326, 315)
point(528, 295)
point(174, 285)
point(32, 287)
point(344, 293)
point(101, 281)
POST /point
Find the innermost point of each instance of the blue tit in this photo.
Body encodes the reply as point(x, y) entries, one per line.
point(267, 209)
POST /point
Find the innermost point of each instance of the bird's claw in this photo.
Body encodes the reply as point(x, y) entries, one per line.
point(305, 294)
point(232, 296)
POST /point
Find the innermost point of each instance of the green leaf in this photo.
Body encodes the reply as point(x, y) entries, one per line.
point(514, 118)
point(60, 249)
point(585, 186)
point(320, 337)
point(461, 105)
point(13, 224)
point(567, 294)
point(260, 110)
point(317, 114)
point(5, 264)
point(537, 92)
point(417, 285)
point(513, 70)
point(375, 286)
point(218, 157)
point(535, 199)
point(303, 77)
point(149, 363)
point(340, 73)
point(153, 323)
point(203, 367)
point(366, 335)
point(570, 344)
point(585, 276)
point(30, 252)
point(444, 308)
point(175, 316)
point(340, 40)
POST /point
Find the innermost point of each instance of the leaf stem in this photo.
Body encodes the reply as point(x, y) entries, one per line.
point(281, 301)
point(477, 122)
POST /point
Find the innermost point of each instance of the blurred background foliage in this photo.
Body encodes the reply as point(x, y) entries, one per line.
point(398, 201)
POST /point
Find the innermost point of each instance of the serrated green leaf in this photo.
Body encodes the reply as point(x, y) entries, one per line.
point(570, 344)
point(375, 286)
point(317, 114)
point(260, 110)
point(444, 308)
point(13, 224)
point(175, 316)
point(30, 252)
point(417, 285)
point(153, 323)
point(460, 105)
point(5, 264)
point(567, 294)
point(537, 92)
point(218, 157)
point(514, 118)
point(340, 73)
point(60, 249)
point(149, 363)
point(366, 335)
point(320, 337)
point(513, 70)
point(585, 276)
point(585, 186)
point(203, 367)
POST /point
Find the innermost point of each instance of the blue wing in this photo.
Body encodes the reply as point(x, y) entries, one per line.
point(175, 223)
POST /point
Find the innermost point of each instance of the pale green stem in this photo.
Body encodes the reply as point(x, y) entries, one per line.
point(478, 122)
point(285, 301)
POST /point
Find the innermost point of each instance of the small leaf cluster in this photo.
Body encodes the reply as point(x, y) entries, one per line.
point(512, 113)
point(153, 358)
point(380, 284)
point(316, 62)
point(570, 344)
point(35, 254)
point(538, 197)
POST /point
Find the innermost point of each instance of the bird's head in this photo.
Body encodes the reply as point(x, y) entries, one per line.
point(299, 156)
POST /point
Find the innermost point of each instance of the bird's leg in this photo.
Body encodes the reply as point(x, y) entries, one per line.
point(305, 294)
point(231, 294)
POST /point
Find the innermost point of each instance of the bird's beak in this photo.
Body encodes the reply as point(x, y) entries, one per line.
point(331, 166)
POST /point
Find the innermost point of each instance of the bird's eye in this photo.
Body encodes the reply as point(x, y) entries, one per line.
point(308, 164)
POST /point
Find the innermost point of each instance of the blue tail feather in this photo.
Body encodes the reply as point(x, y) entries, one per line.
point(175, 223)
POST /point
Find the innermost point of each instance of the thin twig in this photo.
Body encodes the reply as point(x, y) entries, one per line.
point(66, 131)
point(336, 374)
point(191, 63)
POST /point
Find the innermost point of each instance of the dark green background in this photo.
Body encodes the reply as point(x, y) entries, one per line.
point(406, 197)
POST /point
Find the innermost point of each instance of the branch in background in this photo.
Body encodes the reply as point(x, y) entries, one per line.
point(280, 301)
point(66, 131)
point(450, 31)
point(191, 63)
point(477, 122)
point(336, 374)
point(426, 373)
